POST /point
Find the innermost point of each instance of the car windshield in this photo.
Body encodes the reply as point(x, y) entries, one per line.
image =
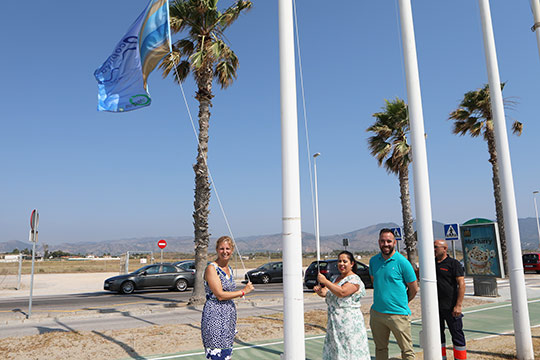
point(265, 267)
point(322, 265)
point(530, 257)
point(332, 267)
point(186, 265)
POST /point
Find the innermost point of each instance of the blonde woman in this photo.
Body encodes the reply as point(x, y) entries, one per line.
point(218, 324)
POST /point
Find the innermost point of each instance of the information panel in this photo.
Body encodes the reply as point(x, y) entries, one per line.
point(481, 250)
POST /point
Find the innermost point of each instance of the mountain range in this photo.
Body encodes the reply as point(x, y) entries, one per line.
point(364, 239)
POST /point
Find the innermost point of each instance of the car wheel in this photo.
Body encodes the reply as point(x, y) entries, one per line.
point(127, 287)
point(265, 279)
point(181, 285)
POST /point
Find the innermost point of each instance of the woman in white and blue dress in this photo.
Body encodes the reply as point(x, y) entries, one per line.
point(218, 324)
point(346, 336)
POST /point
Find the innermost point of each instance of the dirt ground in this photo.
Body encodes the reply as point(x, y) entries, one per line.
point(114, 344)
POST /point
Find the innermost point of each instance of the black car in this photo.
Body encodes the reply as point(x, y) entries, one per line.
point(185, 264)
point(188, 265)
point(270, 272)
point(329, 269)
point(153, 276)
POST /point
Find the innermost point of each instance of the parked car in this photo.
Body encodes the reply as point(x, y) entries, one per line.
point(531, 262)
point(185, 264)
point(188, 265)
point(329, 269)
point(152, 276)
point(270, 272)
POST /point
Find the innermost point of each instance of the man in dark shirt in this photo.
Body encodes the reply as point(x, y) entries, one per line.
point(450, 290)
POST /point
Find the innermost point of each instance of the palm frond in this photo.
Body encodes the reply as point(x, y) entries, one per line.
point(168, 63)
point(233, 12)
point(186, 47)
point(517, 128)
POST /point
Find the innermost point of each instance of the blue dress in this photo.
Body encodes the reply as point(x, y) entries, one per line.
point(218, 324)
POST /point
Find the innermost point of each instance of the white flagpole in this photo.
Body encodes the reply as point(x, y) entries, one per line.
point(428, 279)
point(535, 7)
point(293, 294)
point(522, 330)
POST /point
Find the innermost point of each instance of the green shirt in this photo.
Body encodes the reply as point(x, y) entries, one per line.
point(390, 278)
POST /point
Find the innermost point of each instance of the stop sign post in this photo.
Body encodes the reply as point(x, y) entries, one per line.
point(162, 244)
point(34, 221)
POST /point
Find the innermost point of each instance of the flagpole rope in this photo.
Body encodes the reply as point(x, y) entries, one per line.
point(209, 174)
point(301, 72)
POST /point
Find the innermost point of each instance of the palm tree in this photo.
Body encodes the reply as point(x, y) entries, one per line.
point(474, 117)
point(204, 53)
point(390, 147)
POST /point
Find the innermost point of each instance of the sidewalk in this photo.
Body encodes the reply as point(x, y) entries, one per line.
point(56, 284)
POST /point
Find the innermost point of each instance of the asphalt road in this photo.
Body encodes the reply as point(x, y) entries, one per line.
point(105, 300)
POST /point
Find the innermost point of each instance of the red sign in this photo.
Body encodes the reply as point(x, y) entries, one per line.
point(162, 244)
point(34, 219)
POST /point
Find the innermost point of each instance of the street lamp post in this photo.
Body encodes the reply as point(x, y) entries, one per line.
point(536, 211)
point(318, 244)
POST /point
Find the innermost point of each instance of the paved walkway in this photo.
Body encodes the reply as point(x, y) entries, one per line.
point(479, 322)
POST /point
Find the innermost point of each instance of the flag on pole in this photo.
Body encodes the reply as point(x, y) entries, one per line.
point(122, 79)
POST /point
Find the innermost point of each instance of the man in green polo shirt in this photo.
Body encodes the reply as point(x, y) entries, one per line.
point(394, 286)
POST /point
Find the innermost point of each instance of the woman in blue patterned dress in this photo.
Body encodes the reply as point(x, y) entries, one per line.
point(218, 324)
point(346, 336)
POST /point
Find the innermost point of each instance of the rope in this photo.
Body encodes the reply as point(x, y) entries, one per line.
point(209, 174)
point(300, 70)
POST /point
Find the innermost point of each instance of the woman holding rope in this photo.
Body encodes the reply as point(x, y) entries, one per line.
point(218, 324)
point(346, 337)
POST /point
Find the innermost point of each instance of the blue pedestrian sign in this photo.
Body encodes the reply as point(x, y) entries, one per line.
point(397, 233)
point(451, 231)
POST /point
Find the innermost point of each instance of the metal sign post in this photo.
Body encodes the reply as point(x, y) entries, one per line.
point(19, 273)
point(34, 221)
point(451, 232)
point(397, 235)
point(162, 244)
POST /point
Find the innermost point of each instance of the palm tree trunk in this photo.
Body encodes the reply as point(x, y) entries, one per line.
point(202, 186)
point(406, 211)
point(490, 137)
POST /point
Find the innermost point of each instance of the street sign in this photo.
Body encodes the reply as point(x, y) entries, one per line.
point(451, 231)
point(162, 244)
point(397, 233)
point(345, 242)
point(34, 220)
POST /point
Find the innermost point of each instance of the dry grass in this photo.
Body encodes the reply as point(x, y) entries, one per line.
point(62, 266)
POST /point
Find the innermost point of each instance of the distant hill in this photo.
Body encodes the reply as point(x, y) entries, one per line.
point(364, 239)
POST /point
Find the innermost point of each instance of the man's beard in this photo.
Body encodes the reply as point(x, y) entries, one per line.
point(387, 249)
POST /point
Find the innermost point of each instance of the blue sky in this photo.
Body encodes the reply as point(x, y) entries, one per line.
point(99, 176)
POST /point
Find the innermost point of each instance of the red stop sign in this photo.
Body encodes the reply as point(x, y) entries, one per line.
point(162, 244)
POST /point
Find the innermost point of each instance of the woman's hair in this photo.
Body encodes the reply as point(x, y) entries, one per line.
point(351, 259)
point(225, 239)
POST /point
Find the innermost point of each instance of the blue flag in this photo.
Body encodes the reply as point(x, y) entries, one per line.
point(122, 79)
